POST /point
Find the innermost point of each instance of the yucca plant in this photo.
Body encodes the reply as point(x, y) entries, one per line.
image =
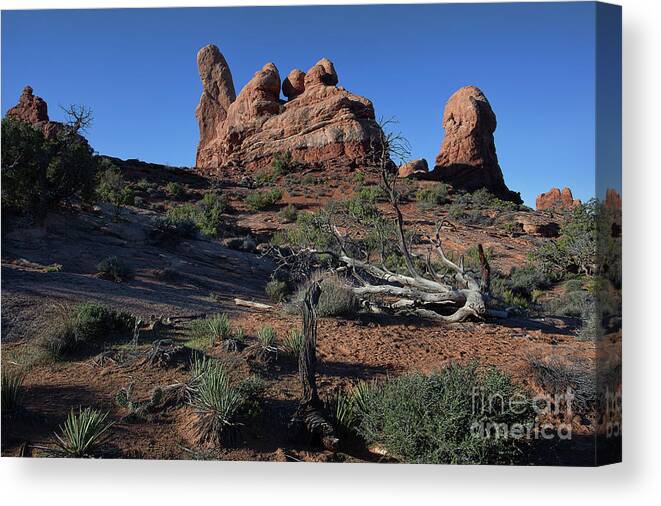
point(293, 343)
point(346, 408)
point(264, 348)
point(12, 391)
point(216, 404)
point(82, 433)
point(215, 328)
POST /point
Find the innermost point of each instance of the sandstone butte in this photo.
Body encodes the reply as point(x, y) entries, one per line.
point(34, 110)
point(467, 159)
point(556, 199)
point(319, 123)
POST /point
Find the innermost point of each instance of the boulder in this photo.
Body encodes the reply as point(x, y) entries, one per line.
point(413, 168)
point(539, 225)
point(555, 199)
point(320, 124)
point(467, 159)
point(294, 84)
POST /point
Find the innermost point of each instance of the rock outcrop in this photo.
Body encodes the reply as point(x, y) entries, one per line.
point(467, 159)
point(413, 168)
point(613, 200)
point(34, 110)
point(320, 123)
point(30, 108)
point(554, 199)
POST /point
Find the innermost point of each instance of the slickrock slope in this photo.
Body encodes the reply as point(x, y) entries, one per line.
point(556, 199)
point(320, 123)
point(467, 159)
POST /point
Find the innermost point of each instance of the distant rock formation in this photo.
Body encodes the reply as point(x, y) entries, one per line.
point(467, 159)
point(556, 199)
point(320, 123)
point(414, 167)
point(30, 108)
point(34, 110)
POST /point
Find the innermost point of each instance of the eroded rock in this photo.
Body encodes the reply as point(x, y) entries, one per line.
point(555, 199)
point(467, 159)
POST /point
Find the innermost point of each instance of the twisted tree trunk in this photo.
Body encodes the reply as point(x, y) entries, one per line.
point(310, 417)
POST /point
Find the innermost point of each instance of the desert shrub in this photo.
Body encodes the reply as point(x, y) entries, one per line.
point(84, 323)
point(336, 299)
point(12, 390)
point(144, 186)
point(112, 187)
point(114, 269)
point(266, 337)
point(436, 195)
point(38, 173)
point(283, 163)
point(347, 407)
point(445, 418)
point(359, 177)
point(260, 200)
point(573, 285)
point(174, 189)
point(522, 286)
point(251, 390)
point(556, 376)
point(309, 230)
point(276, 290)
point(293, 343)
point(572, 303)
point(288, 214)
point(308, 179)
point(54, 267)
point(575, 250)
point(209, 210)
point(184, 220)
point(82, 433)
point(212, 329)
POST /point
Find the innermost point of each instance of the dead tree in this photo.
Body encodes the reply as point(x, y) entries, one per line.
point(457, 294)
point(310, 417)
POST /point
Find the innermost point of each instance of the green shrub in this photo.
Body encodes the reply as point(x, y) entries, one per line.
point(436, 195)
point(276, 290)
point(336, 299)
point(184, 220)
point(66, 160)
point(112, 187)
point(12, 390)
point(114, 269)
point(209, 210)
point(522, 286)
point(308, 179)
point(251, 390)
point(445, 418)
point(359, 177)
point(82, 434)
point(309, 231)
point(569, 304)
point(288, 214)
point(260, 200)
point(282, 163)
point(293, 343)
point(174, 189)
point(212, 329)
point(84, 323)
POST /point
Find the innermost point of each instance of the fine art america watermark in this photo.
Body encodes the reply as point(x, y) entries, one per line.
point(487, 406)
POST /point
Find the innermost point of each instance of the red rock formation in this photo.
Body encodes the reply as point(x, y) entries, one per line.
point(34, 110)
point(556, 199)
point(320, 123)
point(467, 159)
point(30, 108)
point(414, 167)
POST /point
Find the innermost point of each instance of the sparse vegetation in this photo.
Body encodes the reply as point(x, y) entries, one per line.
point(212, 329)
point(114, 269)
point(261, 200)
point(276, 290)
point(112, 187)
point(82, 434)
point(12, 390)
point(293, 343)
point(174, 189)
point(430, 197)
point(185, 219)
point(288, 214)
point(74, 327)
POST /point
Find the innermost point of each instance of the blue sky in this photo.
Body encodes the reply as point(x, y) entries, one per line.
point(137, 70)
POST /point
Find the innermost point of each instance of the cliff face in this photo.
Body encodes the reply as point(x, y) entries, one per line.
point(467, 159)
point(320, 123)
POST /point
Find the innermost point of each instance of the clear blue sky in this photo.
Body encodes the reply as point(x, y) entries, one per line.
point(137, 70)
